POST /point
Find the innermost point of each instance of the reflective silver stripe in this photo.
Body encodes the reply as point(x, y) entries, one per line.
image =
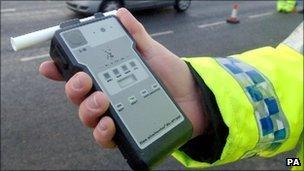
point(295, 40)
point(272, 124)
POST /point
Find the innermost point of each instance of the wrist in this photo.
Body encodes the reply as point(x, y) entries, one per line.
point(202, 114)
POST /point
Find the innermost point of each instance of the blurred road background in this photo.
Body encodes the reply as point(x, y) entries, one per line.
point(40, 128)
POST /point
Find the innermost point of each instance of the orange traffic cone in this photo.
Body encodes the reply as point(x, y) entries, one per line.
point(233, 18)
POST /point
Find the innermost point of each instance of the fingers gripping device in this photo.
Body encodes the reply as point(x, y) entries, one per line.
point(149, 124)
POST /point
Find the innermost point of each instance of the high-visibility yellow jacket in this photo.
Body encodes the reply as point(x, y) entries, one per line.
point(255, 102)
point(286, 5)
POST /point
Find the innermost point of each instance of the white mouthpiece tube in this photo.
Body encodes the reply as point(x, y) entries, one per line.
point(37, 37)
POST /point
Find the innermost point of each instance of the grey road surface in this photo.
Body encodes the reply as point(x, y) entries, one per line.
point(40, 129)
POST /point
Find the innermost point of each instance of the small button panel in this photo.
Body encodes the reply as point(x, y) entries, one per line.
point(107, 77)
point(119, 106)
point(123, 74)
point(132, 99)
point(116, 73)
point(133, 65)
point(154, 87)
point(125, 69)
point(144, 93)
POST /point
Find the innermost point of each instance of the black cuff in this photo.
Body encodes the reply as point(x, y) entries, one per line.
point(207, 147)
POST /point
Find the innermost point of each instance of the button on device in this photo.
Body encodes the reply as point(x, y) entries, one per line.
point(132, 99)
point(133, 65)
point(125, 69)
point(154, 87)
point(119, 106)
point(116, 73)
point(144, 93)
point(107, 77)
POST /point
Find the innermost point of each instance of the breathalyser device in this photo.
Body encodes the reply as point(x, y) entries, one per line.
point(149, 123)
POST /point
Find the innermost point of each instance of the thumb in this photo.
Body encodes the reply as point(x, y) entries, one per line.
point(136, 29)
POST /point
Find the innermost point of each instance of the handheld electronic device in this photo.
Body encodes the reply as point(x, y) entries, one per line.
point(149, 123)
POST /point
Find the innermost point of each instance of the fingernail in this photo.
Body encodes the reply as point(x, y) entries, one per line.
point(77, 84)
point(95, 101)
point(102, 126)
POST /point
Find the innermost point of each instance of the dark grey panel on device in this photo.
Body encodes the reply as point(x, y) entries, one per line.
point(107, 51)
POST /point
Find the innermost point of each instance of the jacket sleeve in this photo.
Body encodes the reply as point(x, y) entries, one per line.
point(255, 102)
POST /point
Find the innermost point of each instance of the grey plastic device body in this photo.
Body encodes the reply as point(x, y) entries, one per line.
point(149, 123)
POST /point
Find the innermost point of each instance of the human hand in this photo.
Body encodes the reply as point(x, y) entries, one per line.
point(171, 70)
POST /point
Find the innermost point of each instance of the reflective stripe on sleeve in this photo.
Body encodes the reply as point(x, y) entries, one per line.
point(295, 39)
point(272, 124)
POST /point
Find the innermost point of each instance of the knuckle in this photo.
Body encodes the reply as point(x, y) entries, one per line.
point(68, 90)
point(141, 28)
point(98, 137)
point(86, 117)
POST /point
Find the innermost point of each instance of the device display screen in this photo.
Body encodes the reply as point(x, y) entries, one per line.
point(126, 81)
